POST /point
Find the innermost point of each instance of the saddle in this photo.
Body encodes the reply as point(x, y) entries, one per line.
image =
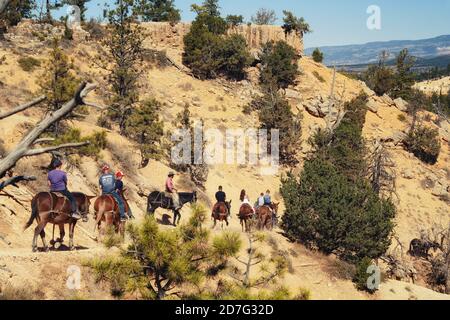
point(58, 194)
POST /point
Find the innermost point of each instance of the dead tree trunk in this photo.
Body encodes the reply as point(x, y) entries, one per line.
point(25, 149)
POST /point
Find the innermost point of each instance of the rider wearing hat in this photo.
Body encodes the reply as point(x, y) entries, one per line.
point(170, 188)
point(57, 181)
point(120, 189)
point(107, 184)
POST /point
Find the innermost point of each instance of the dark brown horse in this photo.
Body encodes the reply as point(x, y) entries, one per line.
point(107, 211)
point(266, 216)
point(245, 216)
point(47, 207)
point(221, 212)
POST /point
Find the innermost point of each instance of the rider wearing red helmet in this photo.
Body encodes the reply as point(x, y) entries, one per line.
point(120, 189)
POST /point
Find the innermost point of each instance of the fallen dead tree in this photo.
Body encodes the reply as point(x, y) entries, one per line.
point(26, 147)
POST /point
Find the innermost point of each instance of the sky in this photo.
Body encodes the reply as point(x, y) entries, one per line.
point(338, 22)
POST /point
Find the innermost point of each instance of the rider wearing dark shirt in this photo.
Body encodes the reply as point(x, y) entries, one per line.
point(221, 197)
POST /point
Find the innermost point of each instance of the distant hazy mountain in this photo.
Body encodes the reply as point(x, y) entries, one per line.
point(369, 52)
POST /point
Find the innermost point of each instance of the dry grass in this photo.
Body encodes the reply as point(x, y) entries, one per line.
point(10, 292)
point(124, 156)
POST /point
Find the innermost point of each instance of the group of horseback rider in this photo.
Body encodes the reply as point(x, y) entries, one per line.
point(112, 184)
point(109, 183)
point(263, 200)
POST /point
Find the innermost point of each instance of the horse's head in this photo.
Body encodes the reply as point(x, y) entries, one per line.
point(85, 205)
point(275, 207)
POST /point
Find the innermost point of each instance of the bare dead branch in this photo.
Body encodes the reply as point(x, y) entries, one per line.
point(35, 152)
point(44, 140)
point(22, 107)
point(23, 148)
point(14, 180)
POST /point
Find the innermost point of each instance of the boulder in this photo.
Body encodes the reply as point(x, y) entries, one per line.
point(401, 104)
point(408, 174)
point(367, 90)
point(372, 105)
point(293, 94)
point(388, 100)
point(440, 189)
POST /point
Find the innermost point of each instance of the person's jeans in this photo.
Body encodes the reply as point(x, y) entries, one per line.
point(120, 203)
point(71, 198)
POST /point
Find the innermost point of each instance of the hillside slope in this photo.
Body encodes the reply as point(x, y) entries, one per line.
point(219, 103)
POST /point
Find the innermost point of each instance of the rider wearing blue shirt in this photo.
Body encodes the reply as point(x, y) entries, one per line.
point(107, 184)
point(267, 198)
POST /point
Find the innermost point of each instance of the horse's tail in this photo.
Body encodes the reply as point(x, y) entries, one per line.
point(34, 213)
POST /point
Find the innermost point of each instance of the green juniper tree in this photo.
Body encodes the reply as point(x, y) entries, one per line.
point(332, 205)
point(317, 55)
point(208, 52)
point(279, 64)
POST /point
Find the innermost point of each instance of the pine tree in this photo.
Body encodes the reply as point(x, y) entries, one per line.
point(58, 82)
point(123, 61)
point(159, 261)
point(157, 10)
point(294, 24)
point(145, 128)
point(404, 79)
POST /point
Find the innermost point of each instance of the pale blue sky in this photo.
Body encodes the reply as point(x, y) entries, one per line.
point(338, 22)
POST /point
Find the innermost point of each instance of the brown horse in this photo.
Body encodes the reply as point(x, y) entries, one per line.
point(221, 212)
point(266, 217)
point(107, 211)
point(246, 215)
point(47, 207)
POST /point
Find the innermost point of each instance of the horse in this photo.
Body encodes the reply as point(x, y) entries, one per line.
point(158, 199)
point(221, 212)
point(245, 215)
point(107, 210)
point(48, 207)
point(266, 216)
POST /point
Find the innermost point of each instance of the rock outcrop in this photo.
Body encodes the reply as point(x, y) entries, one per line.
point(163, 34)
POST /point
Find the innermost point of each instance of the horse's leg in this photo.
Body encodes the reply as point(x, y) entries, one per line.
point(44, 243)
point(52, 242)
point(62, 233)
point(71, 233)
point(37, 231)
